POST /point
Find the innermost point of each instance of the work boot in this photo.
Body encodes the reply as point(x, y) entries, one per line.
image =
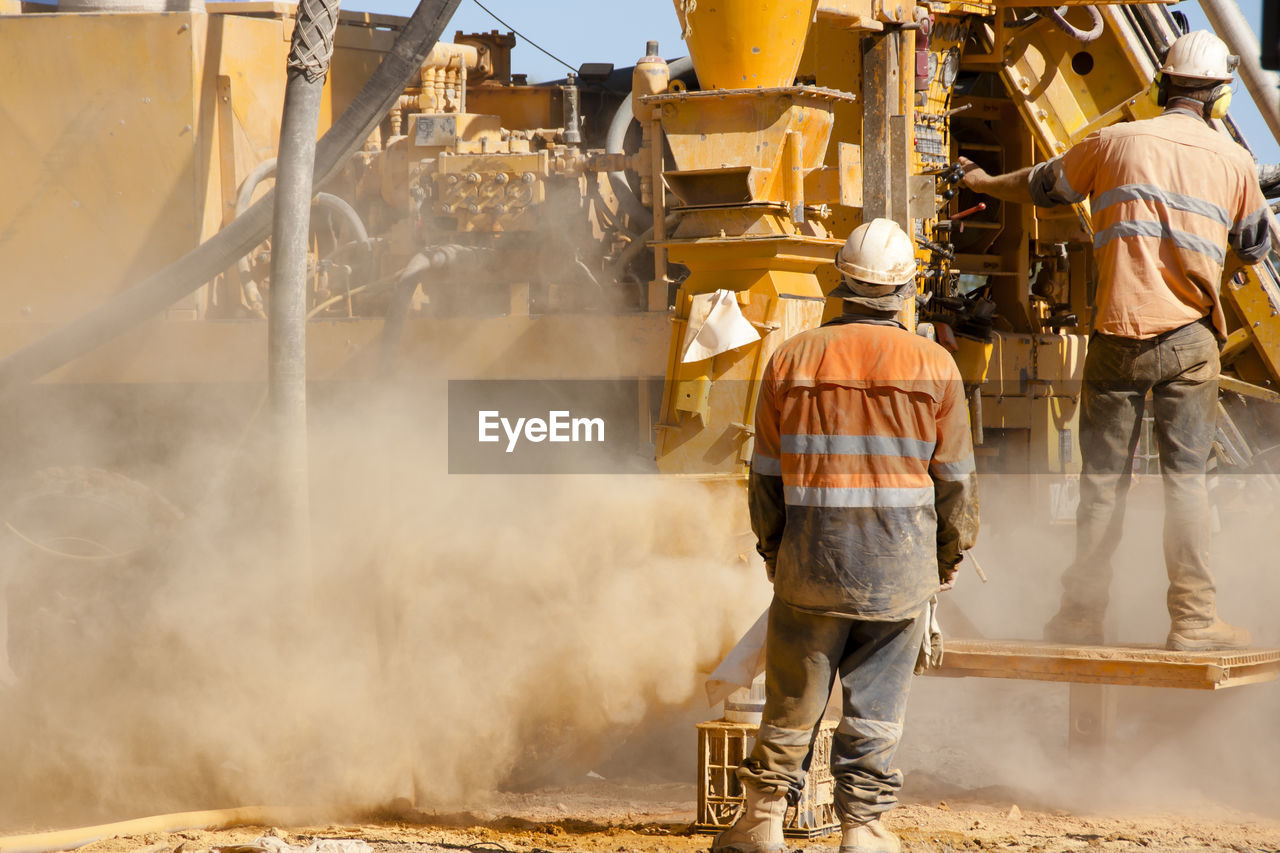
point(1204, 638)
point(1072, 626)
point(758, 828)
point(870, 836)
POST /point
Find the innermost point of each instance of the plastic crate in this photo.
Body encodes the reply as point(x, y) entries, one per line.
point(722, 746)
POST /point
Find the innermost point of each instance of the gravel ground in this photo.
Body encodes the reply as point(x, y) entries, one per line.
point(606, 817)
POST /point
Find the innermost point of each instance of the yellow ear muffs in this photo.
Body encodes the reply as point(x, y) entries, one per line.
point(1219, 102)
point(1159, 90)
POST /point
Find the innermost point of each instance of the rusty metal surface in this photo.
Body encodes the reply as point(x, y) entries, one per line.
point(1145, 666)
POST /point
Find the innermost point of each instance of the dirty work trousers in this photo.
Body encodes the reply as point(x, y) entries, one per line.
point(1180, 370)
point(874, 661)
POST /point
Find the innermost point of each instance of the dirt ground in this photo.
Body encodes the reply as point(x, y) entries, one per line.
point(606, 817)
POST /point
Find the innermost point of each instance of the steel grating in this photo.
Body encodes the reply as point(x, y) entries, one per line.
point(1142, 666)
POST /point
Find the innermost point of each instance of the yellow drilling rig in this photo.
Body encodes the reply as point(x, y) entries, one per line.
point(482, 227)
point(568, 229)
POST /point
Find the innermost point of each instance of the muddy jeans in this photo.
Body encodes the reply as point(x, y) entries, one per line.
point(874, 660)
point(1180, 370)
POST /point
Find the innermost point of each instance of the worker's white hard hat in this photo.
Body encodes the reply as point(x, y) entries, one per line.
point(1199, 55)
point(877, 258)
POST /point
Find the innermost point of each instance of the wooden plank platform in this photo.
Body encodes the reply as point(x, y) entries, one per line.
point(1142, 666)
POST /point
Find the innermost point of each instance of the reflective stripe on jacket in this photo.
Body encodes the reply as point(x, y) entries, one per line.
point(862, 481)
point(1167, 197)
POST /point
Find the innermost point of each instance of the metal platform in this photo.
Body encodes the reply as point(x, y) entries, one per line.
point(1136, 666)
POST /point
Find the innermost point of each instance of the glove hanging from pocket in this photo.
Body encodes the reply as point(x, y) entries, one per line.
point(930, 656)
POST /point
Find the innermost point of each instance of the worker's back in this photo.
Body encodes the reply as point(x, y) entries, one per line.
point(856, 415)
point(1167, 196)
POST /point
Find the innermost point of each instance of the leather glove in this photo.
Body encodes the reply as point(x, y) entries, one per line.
point(947, 575)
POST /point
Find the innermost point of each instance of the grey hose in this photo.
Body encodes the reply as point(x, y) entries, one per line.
point(329, 201)
point(339, 205)
point(399, 66)
point(334, 203)
point(310, 50)
point(614, 143)
point(259, 173)
point(407, 282)
point(1084, 36)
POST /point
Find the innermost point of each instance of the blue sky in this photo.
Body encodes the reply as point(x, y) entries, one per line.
point(614, 31)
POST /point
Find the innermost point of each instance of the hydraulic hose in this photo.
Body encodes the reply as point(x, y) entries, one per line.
point(329, 201)
point(122, 312)
point(334, 203)
point(406, 283)
point(615, 141)
point(1084, 36)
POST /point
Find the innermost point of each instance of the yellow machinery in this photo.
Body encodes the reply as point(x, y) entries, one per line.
point(802, 118)
point(494, 229)
point(904, 90)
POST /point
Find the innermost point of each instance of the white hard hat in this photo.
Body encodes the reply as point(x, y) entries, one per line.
point(1200, 55)
point(877, 258)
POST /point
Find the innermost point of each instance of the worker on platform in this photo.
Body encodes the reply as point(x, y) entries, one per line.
point(863, 497)
point(1168, 197)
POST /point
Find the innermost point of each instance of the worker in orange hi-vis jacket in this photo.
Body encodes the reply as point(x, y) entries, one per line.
point(1168, 197)
point(863, 497)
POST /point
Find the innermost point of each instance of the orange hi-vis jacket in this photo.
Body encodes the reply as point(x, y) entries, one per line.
point(1167, 197)
point(862, 485)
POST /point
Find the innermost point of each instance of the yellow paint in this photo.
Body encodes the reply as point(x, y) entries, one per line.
point(112, 145)
point(750, 130)
point(1065, 90)
point(974, 359)
point(745, 44)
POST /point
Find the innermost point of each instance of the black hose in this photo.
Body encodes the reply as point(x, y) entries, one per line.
point(399, 66)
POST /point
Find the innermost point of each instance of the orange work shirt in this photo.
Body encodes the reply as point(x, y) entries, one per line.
point(1167, 196)
point(862, 484)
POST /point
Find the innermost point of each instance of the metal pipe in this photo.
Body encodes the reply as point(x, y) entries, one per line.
point(571, 113)
point(309, 55)
point(1232, 27)
point(399, 66)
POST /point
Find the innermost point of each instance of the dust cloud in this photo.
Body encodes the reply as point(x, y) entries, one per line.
point(458, 635)
point(1174, 751)
point(452, 634)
